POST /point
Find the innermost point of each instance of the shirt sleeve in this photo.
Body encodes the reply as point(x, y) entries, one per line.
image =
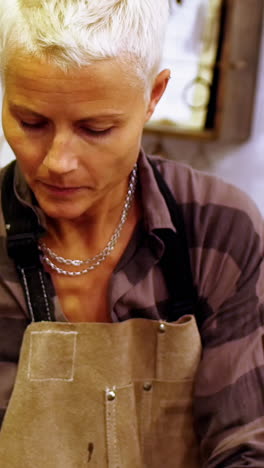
point(13, 322)
point(227, 258)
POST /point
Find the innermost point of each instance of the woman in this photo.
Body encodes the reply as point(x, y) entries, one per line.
point(81, 78)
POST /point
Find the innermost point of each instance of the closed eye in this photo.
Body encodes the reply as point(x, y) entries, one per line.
point(33, 126)
point(97, 132)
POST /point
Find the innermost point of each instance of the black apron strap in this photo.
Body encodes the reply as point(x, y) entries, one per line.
point(175, 263)
point(23, 231)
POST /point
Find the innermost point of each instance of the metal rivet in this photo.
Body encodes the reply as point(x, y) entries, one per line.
point(8, 227)
point(111, 395)
point(147, 386)
point(162, 328)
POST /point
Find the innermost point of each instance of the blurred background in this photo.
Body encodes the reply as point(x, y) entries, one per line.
point(212, 116)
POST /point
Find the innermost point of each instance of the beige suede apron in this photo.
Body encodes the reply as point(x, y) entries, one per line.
point(104, 395)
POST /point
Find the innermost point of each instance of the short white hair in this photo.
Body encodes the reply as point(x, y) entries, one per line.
point(79, 32)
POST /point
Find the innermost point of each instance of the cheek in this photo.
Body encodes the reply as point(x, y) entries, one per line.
point(26, 150)
point(124, 152)
point(129, 141)
point(117, 153)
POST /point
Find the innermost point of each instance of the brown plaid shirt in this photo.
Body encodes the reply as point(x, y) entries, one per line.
point(225, 235)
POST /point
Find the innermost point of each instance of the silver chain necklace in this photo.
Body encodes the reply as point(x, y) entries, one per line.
point(93, 262)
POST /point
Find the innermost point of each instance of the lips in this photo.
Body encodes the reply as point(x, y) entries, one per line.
point(58, 187)
point(60, 190)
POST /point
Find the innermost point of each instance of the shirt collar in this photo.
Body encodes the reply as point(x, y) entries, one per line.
point(156, 213)
point(26, 196)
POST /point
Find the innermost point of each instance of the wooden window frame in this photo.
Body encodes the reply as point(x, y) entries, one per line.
point(231, 108)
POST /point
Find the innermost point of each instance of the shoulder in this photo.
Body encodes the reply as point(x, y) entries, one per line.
point(225, 234)
point(3, 170)
point(207, 200)
point(189, 185)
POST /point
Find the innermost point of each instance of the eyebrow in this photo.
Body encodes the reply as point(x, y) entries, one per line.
point(15, 107)
point(114, 115)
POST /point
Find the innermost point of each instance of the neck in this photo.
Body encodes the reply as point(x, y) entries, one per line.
point(91, 232)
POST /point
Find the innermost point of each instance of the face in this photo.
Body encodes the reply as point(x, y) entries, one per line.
point(76, 135)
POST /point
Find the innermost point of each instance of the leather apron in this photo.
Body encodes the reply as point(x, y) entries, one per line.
point(104, 395)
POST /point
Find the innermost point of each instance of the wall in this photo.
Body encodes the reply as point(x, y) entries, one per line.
point(242, 165)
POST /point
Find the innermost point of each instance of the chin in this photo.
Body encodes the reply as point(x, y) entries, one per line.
point(67, 211)
point(61, 207)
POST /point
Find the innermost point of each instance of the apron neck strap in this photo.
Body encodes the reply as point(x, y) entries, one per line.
point(175, 263)
point(23, 231)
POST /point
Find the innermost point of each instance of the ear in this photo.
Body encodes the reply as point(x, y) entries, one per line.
point(158, 89)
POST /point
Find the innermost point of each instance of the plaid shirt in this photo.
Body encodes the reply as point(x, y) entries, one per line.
point(225, 236)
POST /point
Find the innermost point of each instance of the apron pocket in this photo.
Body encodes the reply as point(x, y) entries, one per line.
point(46, 361)
point(149, 424)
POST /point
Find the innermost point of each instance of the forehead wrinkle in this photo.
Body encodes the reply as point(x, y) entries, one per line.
point(82, 95)
point(109, 103)
point(79, 89)
point(113, 79)
point(48, 72)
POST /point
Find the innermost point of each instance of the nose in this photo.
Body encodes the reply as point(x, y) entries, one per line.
point(61, 157)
